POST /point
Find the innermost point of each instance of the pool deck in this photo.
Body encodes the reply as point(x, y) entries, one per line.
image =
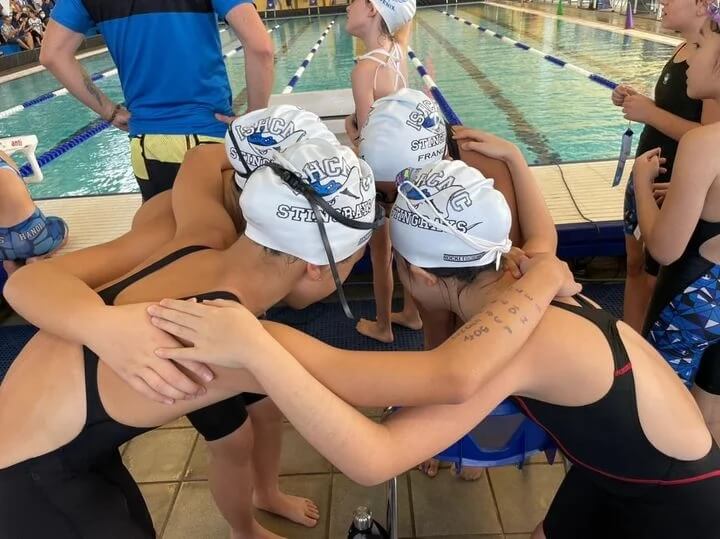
point(587, 210)
point(506, 503)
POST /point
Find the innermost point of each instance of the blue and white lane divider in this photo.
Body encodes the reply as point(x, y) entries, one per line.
point(233, 52)
point(94, 77)
point(50, 95)
point(445, 107)
point(306, 62)
point(52, 154)
point(96, 127)
point(599, 79)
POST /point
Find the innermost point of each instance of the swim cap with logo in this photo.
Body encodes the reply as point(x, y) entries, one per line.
point(280, 218)
point(252, 138)
point(404, 129)
point(448, 215)
point(395, 13)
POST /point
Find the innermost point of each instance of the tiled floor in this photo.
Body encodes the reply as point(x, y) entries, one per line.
point(171, 466)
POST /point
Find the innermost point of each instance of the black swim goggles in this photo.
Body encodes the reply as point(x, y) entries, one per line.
point(318, 204)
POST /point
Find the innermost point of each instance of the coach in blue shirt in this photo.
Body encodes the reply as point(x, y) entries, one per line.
point(173, 76)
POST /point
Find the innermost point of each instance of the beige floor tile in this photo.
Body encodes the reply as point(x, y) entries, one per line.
point(198, 467)
point(523, 496)
point(159, 455)
point(447, 505)
point(372, 412)
point(195, 515)
point(314, 487)
point(159, 498)
point(298, 457)
point(518, 536)
point(348, 496)
point(178, 423)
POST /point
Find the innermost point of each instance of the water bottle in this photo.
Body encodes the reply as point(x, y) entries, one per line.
point(365, 527)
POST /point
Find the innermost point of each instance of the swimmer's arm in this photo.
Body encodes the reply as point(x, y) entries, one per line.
point(538, 229)
point(521, 190)
point(362, 88)
point(58, 295)
point(451, 373)
point(259, 53)
point(197, 197)
point(57, 54)
point(667, 230)
point(365, 451)
point(675, 127)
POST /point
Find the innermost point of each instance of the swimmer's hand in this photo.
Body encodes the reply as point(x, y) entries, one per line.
point(128, 347)
point(648, 166)
point(221, 332)
point(638, 108)
point(555, 269)
point(512, 261)
point(660, 192)
point(486, 144)
point(619, 94)
point(224, 119)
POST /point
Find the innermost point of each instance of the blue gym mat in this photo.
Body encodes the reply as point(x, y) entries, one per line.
point(324, 321)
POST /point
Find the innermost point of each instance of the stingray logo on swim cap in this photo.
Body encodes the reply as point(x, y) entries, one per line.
point(443, 192)
point(281, 218)
point(254, 138)
point(447, 215)
point(404, 129)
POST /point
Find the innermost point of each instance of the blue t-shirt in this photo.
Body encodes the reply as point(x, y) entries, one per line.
point(169, 59)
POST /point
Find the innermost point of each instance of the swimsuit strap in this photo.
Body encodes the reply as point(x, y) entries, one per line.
point(392, 61)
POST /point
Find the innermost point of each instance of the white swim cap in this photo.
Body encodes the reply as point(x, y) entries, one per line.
point(448, 215)
point(251, 138)
point(395, 13)
point(404, 129)
point(280, 218)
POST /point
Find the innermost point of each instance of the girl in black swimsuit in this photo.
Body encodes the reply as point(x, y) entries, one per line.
point(667, 118)
point(645, 467)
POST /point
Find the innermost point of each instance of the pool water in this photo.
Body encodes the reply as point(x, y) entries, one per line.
point(552, 114)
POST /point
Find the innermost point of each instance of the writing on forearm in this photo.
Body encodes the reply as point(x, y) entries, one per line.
point(92, 89)
point(498, 315)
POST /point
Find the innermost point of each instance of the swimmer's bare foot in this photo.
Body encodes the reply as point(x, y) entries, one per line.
point(258, 532)
point(467, 473)
point(370, 328)
point(410, 320)
point(430, 467)
point(293, 508)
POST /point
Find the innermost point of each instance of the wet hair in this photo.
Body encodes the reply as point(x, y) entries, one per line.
point(464, 275)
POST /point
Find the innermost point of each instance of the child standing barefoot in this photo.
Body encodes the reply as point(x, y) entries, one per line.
point(383, 27)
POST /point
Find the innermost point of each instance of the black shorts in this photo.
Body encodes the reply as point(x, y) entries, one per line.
point(156, 159)
point(589, 507)
point(47, 497)
point(223, 418)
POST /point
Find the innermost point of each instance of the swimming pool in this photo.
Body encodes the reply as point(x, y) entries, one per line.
point(553, 114)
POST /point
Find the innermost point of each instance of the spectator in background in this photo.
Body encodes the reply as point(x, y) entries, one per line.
point(12, 35)
point(36, 27)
